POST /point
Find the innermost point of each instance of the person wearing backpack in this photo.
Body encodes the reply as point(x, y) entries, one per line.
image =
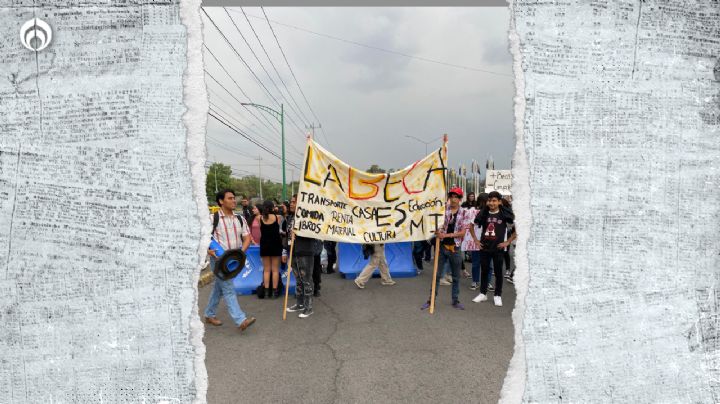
point(303, 252)
point(231, 233)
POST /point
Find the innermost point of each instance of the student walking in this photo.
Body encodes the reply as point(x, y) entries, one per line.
point(231, 233)
point(377, 260)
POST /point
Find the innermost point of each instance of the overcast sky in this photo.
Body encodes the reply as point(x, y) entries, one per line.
point(367, 100)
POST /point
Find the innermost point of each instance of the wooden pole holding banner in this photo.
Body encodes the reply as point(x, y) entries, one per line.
point(289, 272)
point(435, 268)
point(292, 246)
point(437, 247)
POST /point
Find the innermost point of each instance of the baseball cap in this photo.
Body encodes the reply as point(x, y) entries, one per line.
point(457, 191)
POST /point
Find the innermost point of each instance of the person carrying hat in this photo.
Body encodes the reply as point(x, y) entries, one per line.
point(231, 233)
point(457, 219)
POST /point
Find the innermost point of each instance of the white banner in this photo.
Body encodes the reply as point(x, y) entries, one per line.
point(499, 180)
point(340, 203)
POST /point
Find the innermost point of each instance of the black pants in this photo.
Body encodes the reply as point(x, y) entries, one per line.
point(506, 258)
point(428, 248)
point(497, 258)
point(331, 255)
point(317, 271)
point(418, 249)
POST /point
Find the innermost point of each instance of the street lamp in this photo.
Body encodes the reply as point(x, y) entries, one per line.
point(426, 143)
point(281, 118)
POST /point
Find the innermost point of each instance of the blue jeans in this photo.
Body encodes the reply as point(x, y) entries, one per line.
point(445, 267)
point(475, 266)
point(454, 259)
point(227, 290)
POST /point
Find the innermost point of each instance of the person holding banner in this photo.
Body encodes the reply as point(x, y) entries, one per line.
point(451, 237)
point(231, 233)
point(304, 251)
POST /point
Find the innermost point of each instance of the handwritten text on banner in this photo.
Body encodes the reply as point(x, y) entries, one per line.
point(498, 180)
point(338, 202)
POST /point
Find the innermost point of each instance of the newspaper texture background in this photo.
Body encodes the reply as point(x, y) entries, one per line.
point(99, 247)
point(618, 113)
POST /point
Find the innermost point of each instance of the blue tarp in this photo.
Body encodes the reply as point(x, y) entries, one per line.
point(398, 255)
point(251, 277)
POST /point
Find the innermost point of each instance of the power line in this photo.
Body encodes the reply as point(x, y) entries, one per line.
point(246, 64)
point(241, 58)
point(215, 114)
point(269, 140)
point(292, 72)
point(287, 89)
point(477, 69)
point(258, 59)
point(228, 115)
point(238, 123)
point(238, 86)
point(244, 106)
point(229, 147)
point(247, 173)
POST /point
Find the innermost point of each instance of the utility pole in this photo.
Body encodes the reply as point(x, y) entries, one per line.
point(280, 116)
point(292, 183)
point(259, 159)
point(216, 190)
point(312, 127)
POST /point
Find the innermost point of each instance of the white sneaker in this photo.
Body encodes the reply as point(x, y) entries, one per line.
point(388, 283)
point(360, 285)
point(498, 301)
point(444, 282)
point(480, 298)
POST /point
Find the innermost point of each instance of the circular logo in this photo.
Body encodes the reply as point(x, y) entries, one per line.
point(35, 34)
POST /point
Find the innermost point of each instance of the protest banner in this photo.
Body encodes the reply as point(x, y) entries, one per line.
point(499, 180)
point(340, 203)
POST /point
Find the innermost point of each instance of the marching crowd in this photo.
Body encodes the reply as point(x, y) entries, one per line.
point(480, 229)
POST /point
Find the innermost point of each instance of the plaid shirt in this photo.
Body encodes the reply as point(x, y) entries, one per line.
point(230, 231)
point(462, 220)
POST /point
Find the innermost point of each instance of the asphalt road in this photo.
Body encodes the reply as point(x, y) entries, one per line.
point(363, 346)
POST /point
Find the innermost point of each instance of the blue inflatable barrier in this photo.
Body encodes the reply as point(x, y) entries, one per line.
point(252, 276)
point(399, 257)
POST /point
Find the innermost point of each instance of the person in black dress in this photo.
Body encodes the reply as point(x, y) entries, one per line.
point(270, 249)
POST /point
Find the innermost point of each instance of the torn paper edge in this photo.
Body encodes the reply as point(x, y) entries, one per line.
point(514, 385)
point(195, 118)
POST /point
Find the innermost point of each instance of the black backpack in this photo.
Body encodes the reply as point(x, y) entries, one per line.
point(368, 250)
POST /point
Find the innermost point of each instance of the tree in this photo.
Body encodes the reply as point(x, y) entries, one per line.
point(218, 178)
point(375, 169)
point(248, 185)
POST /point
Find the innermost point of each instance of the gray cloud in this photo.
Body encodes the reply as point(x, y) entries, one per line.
point(368, 100)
